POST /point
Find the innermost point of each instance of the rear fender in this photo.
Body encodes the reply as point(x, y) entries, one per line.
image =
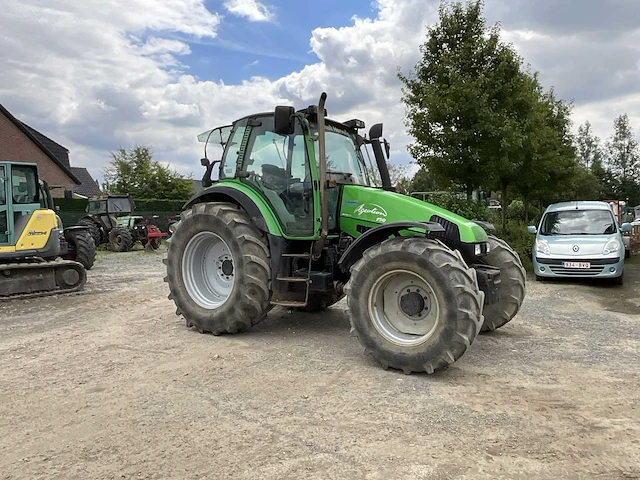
point(379, 234)
point(253, 204)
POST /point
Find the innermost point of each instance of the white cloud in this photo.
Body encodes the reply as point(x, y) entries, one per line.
point(252, 10)
point(118, 76)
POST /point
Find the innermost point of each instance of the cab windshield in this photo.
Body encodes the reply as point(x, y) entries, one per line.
point(343, 156)
point(578, 222)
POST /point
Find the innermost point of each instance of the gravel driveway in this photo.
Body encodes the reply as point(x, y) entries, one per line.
point(109, 383)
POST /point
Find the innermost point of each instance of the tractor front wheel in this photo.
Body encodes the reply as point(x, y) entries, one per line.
point(218, 269)
point(414, 304)
point(83, 248)
point(120, 240)
point(512, 284)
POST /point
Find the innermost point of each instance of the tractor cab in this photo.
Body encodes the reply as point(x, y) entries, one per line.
point(19, 197)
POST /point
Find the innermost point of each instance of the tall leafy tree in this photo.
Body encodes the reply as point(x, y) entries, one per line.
point(423, 181)
point(464, 101)
point(588, 146)
point(135, 172)
point(623, 151)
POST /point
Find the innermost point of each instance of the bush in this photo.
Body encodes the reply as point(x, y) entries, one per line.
point(516, 235)
point(515, 211)
point(469, 209)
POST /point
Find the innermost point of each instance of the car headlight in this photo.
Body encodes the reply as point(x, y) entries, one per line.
point(542, 246)
point(611, 246)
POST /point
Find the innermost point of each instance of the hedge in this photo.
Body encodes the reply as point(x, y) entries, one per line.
point(146, 205)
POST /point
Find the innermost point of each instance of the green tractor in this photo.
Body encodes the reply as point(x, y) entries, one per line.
point(110, 221)
point(293, 220)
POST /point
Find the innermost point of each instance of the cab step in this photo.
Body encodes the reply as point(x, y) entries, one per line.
point(296, 255)
point(288, 304)
point(292, 279)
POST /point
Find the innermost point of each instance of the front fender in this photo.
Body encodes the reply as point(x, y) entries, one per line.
point(379, 234)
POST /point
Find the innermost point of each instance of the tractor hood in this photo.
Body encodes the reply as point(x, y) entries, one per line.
point(373, 206)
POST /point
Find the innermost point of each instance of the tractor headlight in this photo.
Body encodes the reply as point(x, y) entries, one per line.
point(477, 249)
point(611, 246)
point(542, 246)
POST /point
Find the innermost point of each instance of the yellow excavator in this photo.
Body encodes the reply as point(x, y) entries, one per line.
point(38, 256)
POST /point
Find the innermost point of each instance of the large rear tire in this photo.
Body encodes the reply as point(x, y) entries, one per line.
point(93, 227)
point(82, 246)
point(120, 240)
point(218, 269)
point(513, 280)
point(414, 304)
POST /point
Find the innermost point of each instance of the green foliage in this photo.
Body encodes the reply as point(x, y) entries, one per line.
point(135, 172)
point(466, 100)
point(515, 234)
point(71, 204)
point(516, 211)
point(468, 209)
point(399, 176)
point(588, 146)
point(422, 181)
point(155, 205)
point(622, 147)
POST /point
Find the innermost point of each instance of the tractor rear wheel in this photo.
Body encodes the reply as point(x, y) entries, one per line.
point(414, 304)
point(83, 248)
point(120, 240)
point(93, 227)
point(513, 280)
point(218, 269)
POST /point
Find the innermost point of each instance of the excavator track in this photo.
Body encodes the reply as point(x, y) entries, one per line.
point(40, 278)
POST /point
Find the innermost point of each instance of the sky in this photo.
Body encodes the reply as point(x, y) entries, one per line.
point(95, 75)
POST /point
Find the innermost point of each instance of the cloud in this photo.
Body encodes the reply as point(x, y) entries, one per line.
point(96, 76)
point(252, 10)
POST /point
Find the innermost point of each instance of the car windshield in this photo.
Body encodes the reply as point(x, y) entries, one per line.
point(342, 154)
point(578, 222)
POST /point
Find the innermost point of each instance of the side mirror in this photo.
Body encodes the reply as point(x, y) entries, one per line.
point(387, 148)
point(375, 131)
point(282, 122)
point(626, 227)
point(531, 229)
point(204, 162)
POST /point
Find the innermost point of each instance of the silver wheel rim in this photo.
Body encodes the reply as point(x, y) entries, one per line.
point(403, 308)
point(208, 270)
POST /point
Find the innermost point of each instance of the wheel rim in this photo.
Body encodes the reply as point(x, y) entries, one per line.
point(403, 308)
point(208, 270)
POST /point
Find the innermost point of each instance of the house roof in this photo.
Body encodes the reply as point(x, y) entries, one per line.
point(58, 150)
point(28, 132)
point(88, 186)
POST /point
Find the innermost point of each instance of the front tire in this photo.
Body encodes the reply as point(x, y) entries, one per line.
point(120, 240)
point(84, 248)
point(218, 269)
point(513, 279)
point(414, 304)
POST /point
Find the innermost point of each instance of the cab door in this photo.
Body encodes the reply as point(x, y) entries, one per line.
point(4, 214)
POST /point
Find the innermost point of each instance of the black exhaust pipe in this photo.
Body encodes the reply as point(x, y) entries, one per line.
point(375, 133)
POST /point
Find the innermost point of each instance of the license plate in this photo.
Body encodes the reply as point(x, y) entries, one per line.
point(576, 264)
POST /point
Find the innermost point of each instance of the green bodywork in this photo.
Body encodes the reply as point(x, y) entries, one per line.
point(373, 206)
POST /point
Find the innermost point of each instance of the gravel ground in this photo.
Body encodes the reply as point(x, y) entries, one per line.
point(109, 383)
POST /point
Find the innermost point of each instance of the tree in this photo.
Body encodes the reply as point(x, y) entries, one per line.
point(135, 172)
point(422, 181)
point(399, 176)
point(623, 153)
point(588, 146)
point(466, 101)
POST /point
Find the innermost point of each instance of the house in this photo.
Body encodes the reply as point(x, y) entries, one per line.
point(21, 143)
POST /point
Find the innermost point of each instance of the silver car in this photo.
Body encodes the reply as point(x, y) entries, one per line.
point(579, 240)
